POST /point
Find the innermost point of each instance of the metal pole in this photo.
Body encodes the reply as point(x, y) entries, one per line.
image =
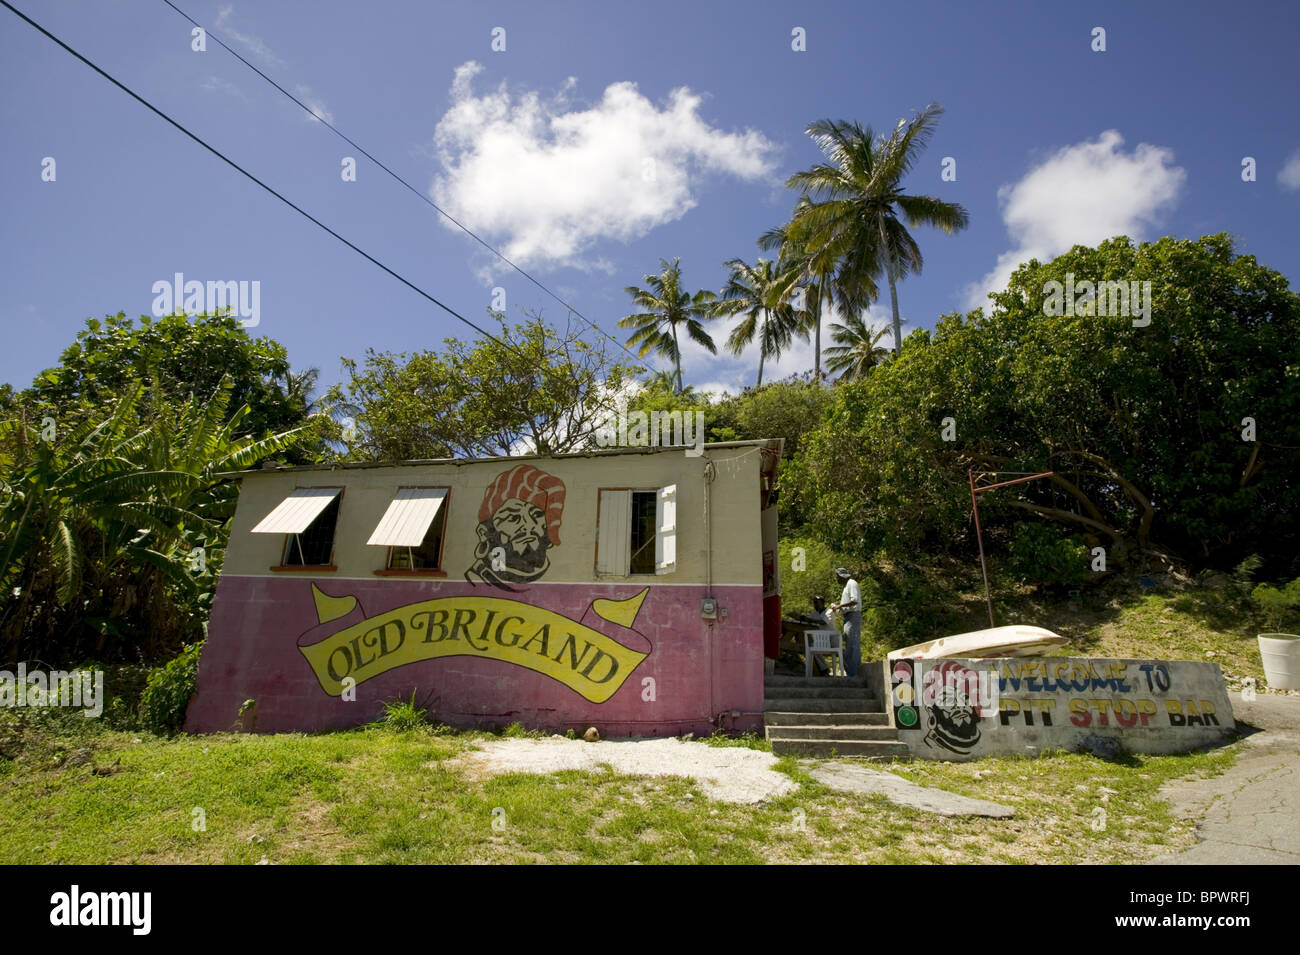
point(979, 536)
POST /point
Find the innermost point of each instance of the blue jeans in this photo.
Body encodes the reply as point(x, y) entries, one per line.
point(852, 642)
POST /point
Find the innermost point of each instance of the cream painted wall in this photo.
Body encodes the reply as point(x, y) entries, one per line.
point(735, 505)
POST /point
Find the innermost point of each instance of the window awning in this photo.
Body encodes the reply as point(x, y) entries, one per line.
point(295, 513)
point(408, 517)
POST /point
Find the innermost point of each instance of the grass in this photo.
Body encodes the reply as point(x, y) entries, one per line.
point(1170, 626)
point(379, 795)
point(1173, 619)
point(396, 792)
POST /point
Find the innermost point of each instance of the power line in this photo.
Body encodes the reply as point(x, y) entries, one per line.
point(361, 149)
point(234, 165)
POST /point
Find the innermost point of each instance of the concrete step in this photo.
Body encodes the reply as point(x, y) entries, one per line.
point(816, 692)
point(848, 718)
point(856, 704)
point(829, 748)
point(785, 679)
point(833, 731)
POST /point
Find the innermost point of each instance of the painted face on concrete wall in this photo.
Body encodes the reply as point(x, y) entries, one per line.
point(519, 522)
point(954, 720)
point(519, 529)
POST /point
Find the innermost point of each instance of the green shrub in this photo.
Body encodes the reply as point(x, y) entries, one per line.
point(809, 572)
point(1042, 555)
point(405, 715)
point(1278, 605)
point(1243, 577)
point(168, 690)
point(903, 605)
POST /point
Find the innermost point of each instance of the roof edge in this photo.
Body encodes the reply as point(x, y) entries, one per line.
point(772, 443)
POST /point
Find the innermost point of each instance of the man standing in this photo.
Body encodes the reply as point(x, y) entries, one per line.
point(851, 606)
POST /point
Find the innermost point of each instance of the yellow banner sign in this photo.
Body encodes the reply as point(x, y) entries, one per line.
point(584, 659)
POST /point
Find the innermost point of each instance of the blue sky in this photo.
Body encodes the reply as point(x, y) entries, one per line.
point(544, 148)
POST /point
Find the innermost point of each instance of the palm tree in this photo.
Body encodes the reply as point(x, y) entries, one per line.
point(857, 348)
point(665, 381)
point(760, 290)
point(666, 305)
point(858, 202)
point(814, 270)
point(300, 390)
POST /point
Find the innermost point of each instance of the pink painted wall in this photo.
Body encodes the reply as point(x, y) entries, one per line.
point(699, 670)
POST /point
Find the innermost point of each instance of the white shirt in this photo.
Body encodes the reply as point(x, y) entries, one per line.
point(851, 599)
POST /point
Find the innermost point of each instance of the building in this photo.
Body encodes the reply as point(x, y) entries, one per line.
point(628, 589)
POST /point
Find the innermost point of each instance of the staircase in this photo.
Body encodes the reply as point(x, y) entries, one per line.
point(827, 716)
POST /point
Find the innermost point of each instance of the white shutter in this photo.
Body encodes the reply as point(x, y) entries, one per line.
point(408, 517)
point(614, 540)
point(295, 513)
point(666, 530)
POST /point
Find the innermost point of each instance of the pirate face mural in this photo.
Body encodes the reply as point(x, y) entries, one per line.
point(519, 522)
point(954, 716)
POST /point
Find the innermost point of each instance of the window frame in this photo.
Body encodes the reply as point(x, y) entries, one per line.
point(443, 509)
point(597, 573)
point(331, 567)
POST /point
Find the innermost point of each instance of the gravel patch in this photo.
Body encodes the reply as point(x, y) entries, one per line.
point(727, 773)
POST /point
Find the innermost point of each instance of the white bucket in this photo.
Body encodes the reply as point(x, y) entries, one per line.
point(1281, 655)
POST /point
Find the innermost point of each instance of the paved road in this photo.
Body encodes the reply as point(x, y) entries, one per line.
point(1251, 814)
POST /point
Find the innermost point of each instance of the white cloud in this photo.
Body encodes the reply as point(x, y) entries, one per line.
point(215, 84)
point(548, 179)
point(1289, 175)
point(319, 110)
point(253, 44)
point(1083, 194)
point(260, 50)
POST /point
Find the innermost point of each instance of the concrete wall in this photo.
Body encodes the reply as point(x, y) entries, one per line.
point(737, 530)
point(964, 709)
point(631, 655)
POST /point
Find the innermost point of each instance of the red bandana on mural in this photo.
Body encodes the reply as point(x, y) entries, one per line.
point(519, 522)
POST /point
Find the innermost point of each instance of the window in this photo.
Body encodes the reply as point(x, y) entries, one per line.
point(315, 546)
point(642, 560)
point(307, 518)
point(637, 531)
point(412, 529)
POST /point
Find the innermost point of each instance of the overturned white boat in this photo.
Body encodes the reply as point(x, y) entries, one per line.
point(1014, 641)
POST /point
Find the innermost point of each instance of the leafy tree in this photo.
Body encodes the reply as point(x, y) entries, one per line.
point(858, 202)
point(666, 305)
point(1145, 426)
point(180, 356)
point(659, 393)
point(786, 409)
point(530, 387)
point(98, 522)
point(807, 571)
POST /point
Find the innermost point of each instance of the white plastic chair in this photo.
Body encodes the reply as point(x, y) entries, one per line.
point(822, 642)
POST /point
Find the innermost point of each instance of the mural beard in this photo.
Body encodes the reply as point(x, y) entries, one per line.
point(955, 728)
point(524, 556)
